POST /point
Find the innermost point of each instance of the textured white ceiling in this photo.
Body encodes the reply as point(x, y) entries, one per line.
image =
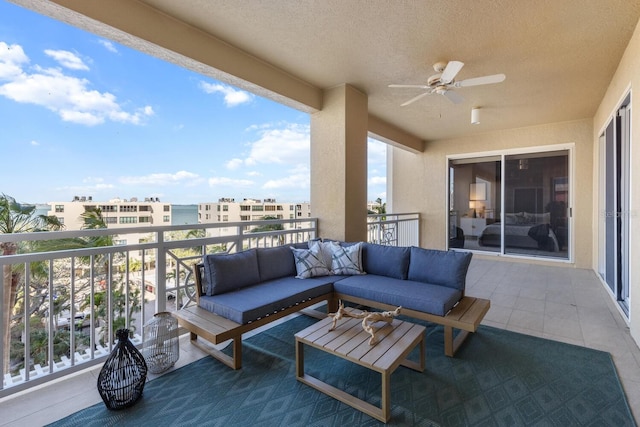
point(558, 55)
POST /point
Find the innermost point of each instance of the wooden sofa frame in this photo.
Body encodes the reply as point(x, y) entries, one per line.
point(465, 316)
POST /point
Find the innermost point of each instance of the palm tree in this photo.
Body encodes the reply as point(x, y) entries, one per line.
point(16, 218)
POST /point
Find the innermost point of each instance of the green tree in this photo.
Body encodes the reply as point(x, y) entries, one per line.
point(17, 218)
point(267, 227)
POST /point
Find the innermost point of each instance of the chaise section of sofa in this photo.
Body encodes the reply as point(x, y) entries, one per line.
point(424, 280)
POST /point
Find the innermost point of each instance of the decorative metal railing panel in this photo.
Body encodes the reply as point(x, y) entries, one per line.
point(394, 229)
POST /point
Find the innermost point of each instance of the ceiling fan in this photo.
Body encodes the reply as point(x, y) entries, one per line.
point(444, 82)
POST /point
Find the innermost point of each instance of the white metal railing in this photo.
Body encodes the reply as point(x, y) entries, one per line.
point(394, 229)
point(70, 302)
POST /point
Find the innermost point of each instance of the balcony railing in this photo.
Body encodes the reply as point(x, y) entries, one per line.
point(394, 229)
point(70, 302)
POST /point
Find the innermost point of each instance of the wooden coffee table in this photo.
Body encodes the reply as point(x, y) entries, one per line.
point(351, 342)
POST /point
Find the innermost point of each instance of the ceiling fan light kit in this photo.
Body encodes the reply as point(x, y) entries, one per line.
point(475, 116)
point(444, 82)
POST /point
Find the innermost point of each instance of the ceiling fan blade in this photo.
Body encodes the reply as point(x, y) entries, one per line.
point(453, 97)
point(411, 86)
point(496, 78)
point(412, 100)
point(450, 72)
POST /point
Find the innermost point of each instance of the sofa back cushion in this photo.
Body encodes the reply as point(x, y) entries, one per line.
point(390, 261)
point(274, 263)
point(445, 268)
point(228, 272)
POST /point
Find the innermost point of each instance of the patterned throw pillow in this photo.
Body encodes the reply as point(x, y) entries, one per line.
point(347, 260)
point(324, 250)
point(309, 263)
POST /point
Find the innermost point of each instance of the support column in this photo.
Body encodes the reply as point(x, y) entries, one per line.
point(339, 164)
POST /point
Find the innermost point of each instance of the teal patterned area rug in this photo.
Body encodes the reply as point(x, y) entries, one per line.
point(498, 378)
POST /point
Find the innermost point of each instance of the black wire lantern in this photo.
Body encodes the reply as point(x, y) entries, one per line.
point(123, 375)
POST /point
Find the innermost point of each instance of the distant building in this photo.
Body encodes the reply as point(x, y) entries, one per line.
point(228, 210)
point(117, 213)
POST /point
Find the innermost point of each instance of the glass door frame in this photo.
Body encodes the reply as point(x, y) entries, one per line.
point(569, 147)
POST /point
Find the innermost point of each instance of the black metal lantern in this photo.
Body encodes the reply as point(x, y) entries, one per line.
point(123, 375)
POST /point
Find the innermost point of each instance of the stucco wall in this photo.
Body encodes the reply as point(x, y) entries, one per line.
point(419, 180)
point(627, 78)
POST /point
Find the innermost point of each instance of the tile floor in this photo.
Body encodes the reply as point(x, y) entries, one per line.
point(558, 303)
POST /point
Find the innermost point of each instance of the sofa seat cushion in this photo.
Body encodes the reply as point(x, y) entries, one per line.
point(253, 302)
point(433, 299)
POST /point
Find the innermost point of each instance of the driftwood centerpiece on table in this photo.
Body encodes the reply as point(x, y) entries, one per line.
point(367, 319)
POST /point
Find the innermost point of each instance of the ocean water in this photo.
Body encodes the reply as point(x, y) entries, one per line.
point(184, 214)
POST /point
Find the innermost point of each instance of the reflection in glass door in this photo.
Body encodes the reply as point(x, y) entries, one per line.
point(513, 204)
point(536, 200)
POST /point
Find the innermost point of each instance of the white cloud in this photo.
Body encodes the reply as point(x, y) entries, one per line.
point(288, 145)
point(234, 164)
point(291, 181)
point(108, 45)
point(69, 97)
point(230, 182)
point(34, 143)
point(67, 59)
point(158, 179)
point(12, 58)
point(232, 97)
point(378, 180)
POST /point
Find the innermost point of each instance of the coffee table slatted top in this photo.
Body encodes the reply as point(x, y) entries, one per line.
point(351, 342)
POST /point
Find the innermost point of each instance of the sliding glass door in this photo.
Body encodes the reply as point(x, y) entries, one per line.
point(511, 203)
point(614, 224)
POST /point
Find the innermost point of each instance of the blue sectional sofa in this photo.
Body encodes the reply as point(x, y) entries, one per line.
point(241, 291)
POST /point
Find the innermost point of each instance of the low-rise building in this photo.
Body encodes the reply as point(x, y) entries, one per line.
point(117, 213)
point(228, 210)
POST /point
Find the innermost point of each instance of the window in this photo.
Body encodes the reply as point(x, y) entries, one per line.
point(61, 219)
point(144, 219)
point(145, 208)
point(166, 208)
point(108, 208)
point(111, 220)
point(245, 217)
point(166, 218)
point(257, 208)
point(59, 208)
point(511, 203)
point(128, 220)
point(270, 208)
point(245, 208)
point(225, 208)
point(128, 208)
point(225, 218)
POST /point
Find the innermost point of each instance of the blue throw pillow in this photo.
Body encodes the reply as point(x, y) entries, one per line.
point(228, 272)
point(445, 268)
point(274, 263)
point(390, 261)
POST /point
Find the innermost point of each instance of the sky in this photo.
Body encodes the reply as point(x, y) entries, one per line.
point(85, 116)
